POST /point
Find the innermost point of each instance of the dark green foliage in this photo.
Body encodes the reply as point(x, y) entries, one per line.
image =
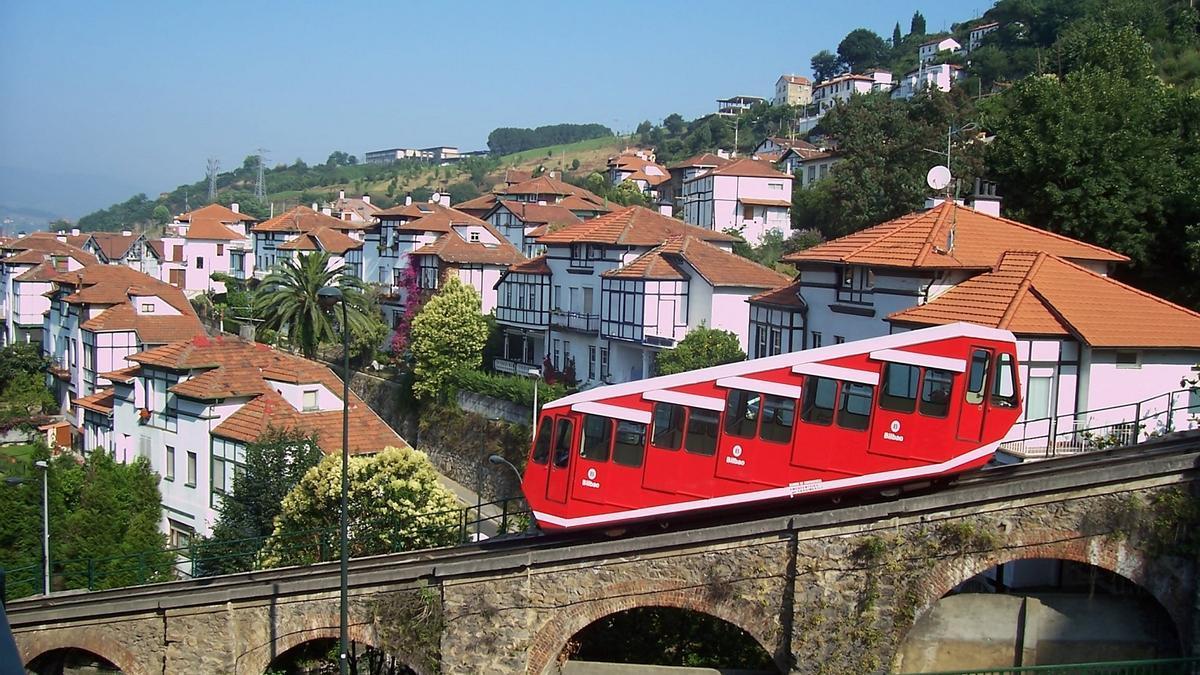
point(339, 158)
point(669, 637)
point(21, 358)
point(700, 348)
point(507, 140)
point(274, 465)
point(825, 65)
point(461, 192)
point(508, 387)
point(862, 49)
point(896, 36)
point(917, 25)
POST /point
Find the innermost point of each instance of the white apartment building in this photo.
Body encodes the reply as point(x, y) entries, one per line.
point(975, 37)
point(927, 76)
point(928, 50)
point(205, 241)
point(521, 222)
point(306, 230)
point(191, 407)
point(27, 266)
point(792, 90)
point(611, 292)
point(746, 195)
point(842, 87)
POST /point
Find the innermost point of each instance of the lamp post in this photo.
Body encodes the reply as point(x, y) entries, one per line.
point(328, 297)
point(536, 374)
point(17, 480)
point(498, 460)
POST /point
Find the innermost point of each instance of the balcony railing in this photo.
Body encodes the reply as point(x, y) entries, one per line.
point(576, 321)
point(514, 367)
point(1090, 430)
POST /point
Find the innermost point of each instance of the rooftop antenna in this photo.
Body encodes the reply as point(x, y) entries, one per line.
point(214, 166)
point(260, 186)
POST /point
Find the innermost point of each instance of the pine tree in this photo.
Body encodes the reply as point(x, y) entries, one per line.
point(917, 26)
point(896, 36)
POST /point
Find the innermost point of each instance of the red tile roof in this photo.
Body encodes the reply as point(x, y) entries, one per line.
point(702, 160)
point(753, 201)
point(745, 167)
point(718, 267)
point(920, 241)
point(539, 214)
point(101, 401)
point(114, 245)
point(630, 226)
point(216, 212)
point(452, 248)
point(239, 368)
point(114, 288)
point(536, 265)
point(210, 229)
point(321, 239)
point(1035, 293)
point(477, 206)
point(441, 219)
point(304, 219)
point(38, 246)
point(784, 296)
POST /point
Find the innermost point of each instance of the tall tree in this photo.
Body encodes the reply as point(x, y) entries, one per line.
point(825, 66)
point(395, 503)
point(274, 465)
point(447, 335)
point(700, 348)
point(287, 300)
point(862, 49)
point(917, 25)
point(896, 37)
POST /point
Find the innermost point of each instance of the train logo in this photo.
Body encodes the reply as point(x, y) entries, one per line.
point(890, 411)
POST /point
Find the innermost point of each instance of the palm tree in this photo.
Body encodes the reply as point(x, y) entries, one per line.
point(287, 301)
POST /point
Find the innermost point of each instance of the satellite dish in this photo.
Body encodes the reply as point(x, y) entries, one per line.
point(938, 177)
point(437, 196)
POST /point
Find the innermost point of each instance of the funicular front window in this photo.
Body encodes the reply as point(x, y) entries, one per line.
point(702, 431)
point(1004, 385)
point(562, 443)
point(668, 426)
point(597, 437)
point(819, 400)
point(630, 443)
point(935, 392)
point(778, 418)
point(541, 449)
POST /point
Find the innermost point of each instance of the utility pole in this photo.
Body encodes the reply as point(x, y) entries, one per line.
point(214, 166)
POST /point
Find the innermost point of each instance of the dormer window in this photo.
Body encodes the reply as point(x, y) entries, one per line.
point(147, 308)
point(474, 236)
point(310, 400)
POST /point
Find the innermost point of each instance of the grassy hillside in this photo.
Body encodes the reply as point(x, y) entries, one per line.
point(299, 183)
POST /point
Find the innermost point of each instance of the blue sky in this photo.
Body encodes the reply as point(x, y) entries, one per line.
point(133, 95)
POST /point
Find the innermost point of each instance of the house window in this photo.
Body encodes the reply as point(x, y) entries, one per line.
point(855, 285)
point(774, 186)
point(220, 250)
point(838, 339)
point(816, 339)
point(591, 362)
point(199, 263)
point(474, 236)
point(310, 400)
point(557, 354)
point(604, 363)
point(747, 212)
point(181, 535)
point(191, 469)
point(1129, 360)
point(147, 308)
point(169, 467)
point(1037, 403)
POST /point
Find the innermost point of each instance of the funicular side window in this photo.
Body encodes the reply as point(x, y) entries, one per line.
point(778, 418)
point(668, 426)
point(629, 444)
point(702, 428)
point(597, 437)
point(854, 408)
point(820, 398)
point(741, 413)
point(935, 392)
point(899, 393)
point(562, 443)
point(1004, 384)
point(541, 449)
point(977, 380)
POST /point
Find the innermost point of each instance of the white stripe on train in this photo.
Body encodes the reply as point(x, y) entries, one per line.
point(773, 493)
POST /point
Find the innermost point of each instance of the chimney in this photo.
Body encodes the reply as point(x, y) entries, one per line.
point(61, 236)
point(74, 231)
point(984, 199)
point(126, 233)
point(235, 207)
point(541, 202)
point(327, 210)
point(408, 199)
point(444, 200)
point(314, 206)
point(341, 194)
point(366, 198)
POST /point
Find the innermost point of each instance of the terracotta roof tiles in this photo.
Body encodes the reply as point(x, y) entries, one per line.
point(718, 267)
point(216, 212)
point(304, 219)
point(630, 226)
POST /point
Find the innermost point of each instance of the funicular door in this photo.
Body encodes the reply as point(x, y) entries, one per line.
point(559, 473)
point(665, 445)
point(973, 411)
point(683, 445)
point(832, 434)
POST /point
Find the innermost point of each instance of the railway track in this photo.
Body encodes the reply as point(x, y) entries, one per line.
point(1168, 456)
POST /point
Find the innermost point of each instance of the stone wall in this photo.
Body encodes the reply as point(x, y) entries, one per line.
point(494, 408)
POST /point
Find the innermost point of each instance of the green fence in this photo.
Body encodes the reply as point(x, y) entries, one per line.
point(1184, 666)
point(435, 529)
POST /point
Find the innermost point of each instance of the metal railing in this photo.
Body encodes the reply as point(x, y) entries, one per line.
point(429, 530)
point(577, 321)
point(1182, 666)
point(512, 367)
point(1101, 428)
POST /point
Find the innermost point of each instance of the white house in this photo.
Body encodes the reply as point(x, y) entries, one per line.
point(123, 248)
point(352, 209)
point(611, 292)
point(746, 195)
point(928, 50)
point(939, 76)
point(638, 168)
point(191, 408)
point(841, 88)
point(207, 240)
point(521, 222)
point(952, 263)
point(27, 266)
point(807, 165)
point(306, 229)
point(975, 37)
point(771, 148)
point(546, 188)
point(474, 251)
point(671, 192)
point(98, 316)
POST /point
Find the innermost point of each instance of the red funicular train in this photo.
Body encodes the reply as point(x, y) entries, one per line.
point(893, 410)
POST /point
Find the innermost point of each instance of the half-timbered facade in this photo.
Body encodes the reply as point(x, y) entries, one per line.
point(747, 195)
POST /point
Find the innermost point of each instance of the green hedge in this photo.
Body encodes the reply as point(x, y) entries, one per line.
point(508, 387)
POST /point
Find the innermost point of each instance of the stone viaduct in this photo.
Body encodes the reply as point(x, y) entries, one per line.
point(828, 591)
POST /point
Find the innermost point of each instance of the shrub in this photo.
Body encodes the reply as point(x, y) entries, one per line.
point(508, 387)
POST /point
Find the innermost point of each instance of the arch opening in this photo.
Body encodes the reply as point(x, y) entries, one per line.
point(71, 661)
point(1039, 611)
point(667, 636)
point(319, 656)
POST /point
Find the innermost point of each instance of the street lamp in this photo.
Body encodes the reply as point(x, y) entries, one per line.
point(328, 297)
point(17, 480)
point(536, 374)
point(498, 460)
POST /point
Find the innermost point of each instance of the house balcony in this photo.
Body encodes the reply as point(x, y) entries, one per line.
point(58, 368)
point(575, 321)
point(514, 367)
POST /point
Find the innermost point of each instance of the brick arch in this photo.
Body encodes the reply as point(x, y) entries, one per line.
point(34, 645)
point(256, 661)
point(550, 639)
point(1107, 554)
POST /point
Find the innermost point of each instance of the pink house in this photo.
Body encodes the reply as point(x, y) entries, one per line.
point(746, 195)
point(207, 240)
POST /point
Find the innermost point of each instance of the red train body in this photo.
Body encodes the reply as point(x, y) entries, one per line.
point(897, 409)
